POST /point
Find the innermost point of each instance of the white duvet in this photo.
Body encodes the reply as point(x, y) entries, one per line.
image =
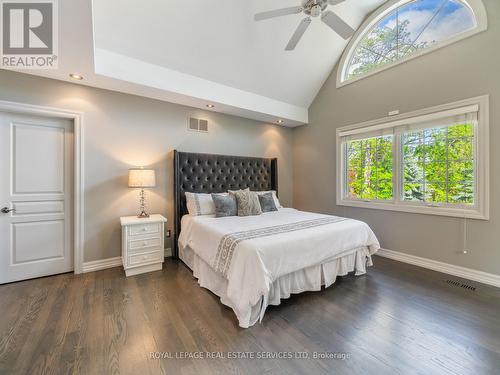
point(257, 262)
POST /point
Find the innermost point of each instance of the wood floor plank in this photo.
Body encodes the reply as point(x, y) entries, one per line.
point(75, 353)
point(30, 324)
point(54, 332)
point(397, 319)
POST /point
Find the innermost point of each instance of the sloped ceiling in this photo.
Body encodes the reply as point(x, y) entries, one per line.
point(200, 52)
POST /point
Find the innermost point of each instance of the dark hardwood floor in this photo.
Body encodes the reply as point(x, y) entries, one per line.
point(397, 319)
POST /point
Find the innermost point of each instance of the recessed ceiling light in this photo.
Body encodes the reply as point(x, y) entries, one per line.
point(280, 122)
point(75, 76)
point(210, 106)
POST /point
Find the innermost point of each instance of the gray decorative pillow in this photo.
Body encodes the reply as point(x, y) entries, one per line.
point(267, 202)
point(248, 202)
point(225, 205)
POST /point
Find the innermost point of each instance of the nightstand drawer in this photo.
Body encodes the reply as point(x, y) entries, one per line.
point(136, 230)
point(153, 256)
point(135, 245)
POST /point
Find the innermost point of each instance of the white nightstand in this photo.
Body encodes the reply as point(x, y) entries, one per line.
point(142, 244)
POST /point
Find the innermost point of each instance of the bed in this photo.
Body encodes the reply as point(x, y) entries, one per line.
point(255, 261)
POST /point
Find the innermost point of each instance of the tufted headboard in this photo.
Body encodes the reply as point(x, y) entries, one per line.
point(206, 173)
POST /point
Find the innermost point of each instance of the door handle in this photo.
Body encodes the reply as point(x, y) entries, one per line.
point(6, 210)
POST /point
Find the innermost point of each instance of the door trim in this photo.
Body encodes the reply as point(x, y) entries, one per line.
point(78, 200)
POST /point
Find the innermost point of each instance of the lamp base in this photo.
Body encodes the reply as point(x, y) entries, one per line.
point(142, 202)
point(143, 215)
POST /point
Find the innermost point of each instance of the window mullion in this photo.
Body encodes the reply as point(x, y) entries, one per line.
point(345, 168)
point(424, 167)
point(376, 167)
point(476, 155)
point(397, 168)
point(447, 185)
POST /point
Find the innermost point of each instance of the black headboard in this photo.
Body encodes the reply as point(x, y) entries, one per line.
point(206, 173)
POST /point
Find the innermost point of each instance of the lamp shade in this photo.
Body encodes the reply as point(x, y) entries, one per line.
point(141, 178)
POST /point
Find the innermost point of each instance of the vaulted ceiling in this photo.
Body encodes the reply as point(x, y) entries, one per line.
point(200, 52)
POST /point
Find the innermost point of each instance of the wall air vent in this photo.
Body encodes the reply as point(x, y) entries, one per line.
point(461, 285)
point(197, 125)
point(203, 125)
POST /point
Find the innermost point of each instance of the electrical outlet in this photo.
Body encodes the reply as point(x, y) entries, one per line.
point(167, 233)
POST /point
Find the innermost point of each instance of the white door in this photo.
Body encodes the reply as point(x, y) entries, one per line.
point(36, 196)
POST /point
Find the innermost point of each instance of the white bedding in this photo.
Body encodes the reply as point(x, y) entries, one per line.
point(262, 256)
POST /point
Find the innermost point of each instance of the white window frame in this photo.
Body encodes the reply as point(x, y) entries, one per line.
point(480, 210)
point(476, 7)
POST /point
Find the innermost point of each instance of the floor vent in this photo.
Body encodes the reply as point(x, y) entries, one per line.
point(461, 285)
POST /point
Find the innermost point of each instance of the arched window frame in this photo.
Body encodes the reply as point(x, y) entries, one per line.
point(476, 7)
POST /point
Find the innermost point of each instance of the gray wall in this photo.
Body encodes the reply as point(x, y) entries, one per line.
point(466, 69)
point(122, 130)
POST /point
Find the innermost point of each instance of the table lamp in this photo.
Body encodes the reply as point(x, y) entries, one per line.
point(141, 178)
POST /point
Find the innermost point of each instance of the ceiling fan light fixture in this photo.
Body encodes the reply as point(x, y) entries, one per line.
point(315, 10)
point(311, 9)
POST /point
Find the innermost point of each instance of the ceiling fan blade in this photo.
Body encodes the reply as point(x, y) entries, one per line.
point(335, 2)
point(337, 24)
point(278, 13)
point(297, 35)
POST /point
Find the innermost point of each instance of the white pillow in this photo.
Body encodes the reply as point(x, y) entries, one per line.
point(275, 197)
point(200, 204)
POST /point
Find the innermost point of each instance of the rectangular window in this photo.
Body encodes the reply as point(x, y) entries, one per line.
point(369, 168)
point(438, 164)
point(432, 161)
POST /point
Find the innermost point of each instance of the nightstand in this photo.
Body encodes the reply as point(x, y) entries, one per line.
point(142, 244)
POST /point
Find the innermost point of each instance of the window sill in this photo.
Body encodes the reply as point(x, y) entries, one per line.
point(418, 209)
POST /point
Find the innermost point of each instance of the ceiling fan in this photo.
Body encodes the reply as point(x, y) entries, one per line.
point(311, 8)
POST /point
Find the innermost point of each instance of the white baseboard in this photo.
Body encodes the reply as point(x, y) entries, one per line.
point(101, 264)
point(466, 273)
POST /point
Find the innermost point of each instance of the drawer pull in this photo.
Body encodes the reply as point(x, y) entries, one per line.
point(144, 229)
point(144, 257)
point(144, 244)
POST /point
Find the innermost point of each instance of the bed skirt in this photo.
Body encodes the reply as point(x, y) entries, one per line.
point(306, 279)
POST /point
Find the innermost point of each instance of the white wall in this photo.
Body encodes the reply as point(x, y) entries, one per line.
point(122, 130)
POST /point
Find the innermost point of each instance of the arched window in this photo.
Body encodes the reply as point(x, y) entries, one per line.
point(403, 29)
